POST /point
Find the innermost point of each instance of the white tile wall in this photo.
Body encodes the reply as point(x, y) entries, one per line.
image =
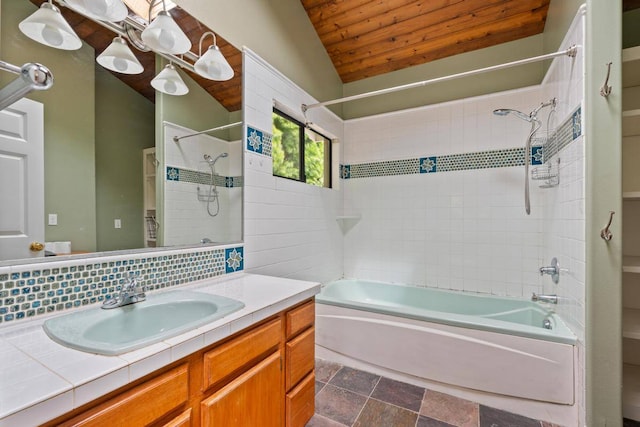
point(463, 230)
point(564, 225)
point(290, 227)
point(184, 215)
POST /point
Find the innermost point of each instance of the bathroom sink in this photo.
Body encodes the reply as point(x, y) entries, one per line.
point(133, 326)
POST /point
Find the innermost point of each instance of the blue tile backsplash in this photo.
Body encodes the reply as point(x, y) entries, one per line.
point(38, 289)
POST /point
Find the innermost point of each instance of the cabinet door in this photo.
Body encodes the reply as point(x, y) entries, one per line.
point(255, 398)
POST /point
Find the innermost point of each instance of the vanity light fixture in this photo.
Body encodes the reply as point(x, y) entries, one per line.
point(168, 81)
point(102, 10)
point(163, 34)
point(47, 26)
point(212, 65)
point(119, 58)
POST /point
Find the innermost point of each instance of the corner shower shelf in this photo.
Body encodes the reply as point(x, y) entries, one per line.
point(347, 222)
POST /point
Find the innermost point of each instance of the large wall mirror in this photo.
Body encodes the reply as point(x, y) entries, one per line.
point(114, 176)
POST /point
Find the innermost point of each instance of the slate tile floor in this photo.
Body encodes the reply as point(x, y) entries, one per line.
point(354, 398)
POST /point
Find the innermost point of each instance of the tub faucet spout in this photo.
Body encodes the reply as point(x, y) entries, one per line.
point(553, 299)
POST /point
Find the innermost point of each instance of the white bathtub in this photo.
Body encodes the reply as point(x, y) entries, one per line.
point(480, 343)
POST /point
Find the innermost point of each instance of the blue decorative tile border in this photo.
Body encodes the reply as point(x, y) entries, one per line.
point(259, 141)
point(234, 259)
point(197, 177)
point(541, 150)
point(37, 289)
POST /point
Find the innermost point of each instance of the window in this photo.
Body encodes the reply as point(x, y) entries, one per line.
point(300, 153)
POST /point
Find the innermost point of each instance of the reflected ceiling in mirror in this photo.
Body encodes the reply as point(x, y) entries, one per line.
point(227, 93)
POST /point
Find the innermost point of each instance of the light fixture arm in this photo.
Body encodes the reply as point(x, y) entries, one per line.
point(202, 39)
point(153, 3)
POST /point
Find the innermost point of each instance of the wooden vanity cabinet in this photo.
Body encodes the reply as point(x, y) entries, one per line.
point(262, 376)
point(299, 365)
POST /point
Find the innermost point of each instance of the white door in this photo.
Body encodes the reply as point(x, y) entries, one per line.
point(21, 179)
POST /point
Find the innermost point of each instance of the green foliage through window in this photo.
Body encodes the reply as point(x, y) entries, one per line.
point(299, 153)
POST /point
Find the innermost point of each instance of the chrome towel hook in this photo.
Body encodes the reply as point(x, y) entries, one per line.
point(605, 90)
point(605, 233)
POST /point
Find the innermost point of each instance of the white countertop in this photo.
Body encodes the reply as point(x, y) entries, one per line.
point(41, 380)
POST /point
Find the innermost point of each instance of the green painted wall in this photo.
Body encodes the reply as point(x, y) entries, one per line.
point(124, 127)
point(559, 18)
point(456, 89)
point(280, 32)
point(603, 193)
point(631, 28)
point(69, 130)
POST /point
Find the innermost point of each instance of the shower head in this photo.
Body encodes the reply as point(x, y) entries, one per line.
point(519, 114)
point(212, 161)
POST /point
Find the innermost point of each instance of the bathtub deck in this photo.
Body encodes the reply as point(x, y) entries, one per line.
point(350, 397)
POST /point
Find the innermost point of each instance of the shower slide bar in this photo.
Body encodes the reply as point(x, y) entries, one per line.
point(230, 125)
point(31, 76)
point(571, 52)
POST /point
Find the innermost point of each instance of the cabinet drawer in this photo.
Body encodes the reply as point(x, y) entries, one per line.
point(299, 357)
point(300, 318)
point(182, 420)
point(300, 402)
point(228, 358)
point(141, 405)
point(254, 399)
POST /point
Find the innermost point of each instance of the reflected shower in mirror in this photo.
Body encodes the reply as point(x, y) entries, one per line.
point(105, 167)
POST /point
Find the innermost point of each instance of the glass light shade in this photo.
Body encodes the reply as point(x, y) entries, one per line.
point(168, 81)
point(47, 26)
point(165, 36)
point(103, 10)
point(213, 65)
point(119, 58)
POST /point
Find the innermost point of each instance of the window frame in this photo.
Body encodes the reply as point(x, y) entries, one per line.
point(328, 156)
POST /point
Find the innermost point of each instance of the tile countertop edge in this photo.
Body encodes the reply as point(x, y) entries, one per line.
point(263, 296)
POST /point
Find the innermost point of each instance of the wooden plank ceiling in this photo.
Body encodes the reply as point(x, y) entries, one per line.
point(228, 93)
point(366, 38)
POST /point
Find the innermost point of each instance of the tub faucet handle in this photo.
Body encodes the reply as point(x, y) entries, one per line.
point(553, 270)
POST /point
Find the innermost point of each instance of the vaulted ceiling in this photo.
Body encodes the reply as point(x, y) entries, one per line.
point(227, 93)
point(366, 38)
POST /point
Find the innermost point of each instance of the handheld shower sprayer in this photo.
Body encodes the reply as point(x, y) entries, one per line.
point(532, 118)
point(212, 195)
point(212, 161)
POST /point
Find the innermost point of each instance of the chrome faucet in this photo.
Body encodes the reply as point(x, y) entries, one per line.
point(553, 299)
point(130, 293)
point(553, 270)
